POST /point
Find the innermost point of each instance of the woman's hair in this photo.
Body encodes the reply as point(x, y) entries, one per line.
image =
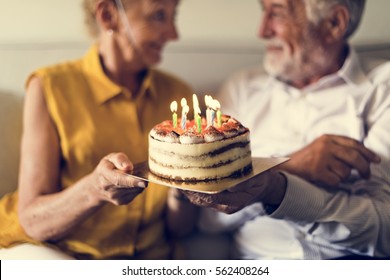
point(319, 9)
point(89, 7)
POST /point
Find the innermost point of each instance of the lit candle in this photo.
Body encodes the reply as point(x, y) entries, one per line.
point(217, 107)
point(212, 116)
point(208, 99)
point(174, 115)
point(198, 119)
point(195, 103)
point(197, 113)
point(185, 110)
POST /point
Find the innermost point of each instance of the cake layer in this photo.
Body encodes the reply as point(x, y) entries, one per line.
point(202, 161)
point(205, 161)
point(235, 168)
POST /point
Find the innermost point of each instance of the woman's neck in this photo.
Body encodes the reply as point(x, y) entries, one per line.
point(119, 68)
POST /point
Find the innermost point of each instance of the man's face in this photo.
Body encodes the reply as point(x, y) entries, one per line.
point(293, 50)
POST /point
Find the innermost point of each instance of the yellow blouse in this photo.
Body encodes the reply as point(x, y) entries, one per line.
point(94, 117)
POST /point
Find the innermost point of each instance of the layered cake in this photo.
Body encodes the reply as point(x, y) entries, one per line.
point(198, 151)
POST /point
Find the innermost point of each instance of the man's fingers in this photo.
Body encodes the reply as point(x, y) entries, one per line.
point(354, 159)
point(225, 201)
point(342, 170)
point(256, 181)
point(355, 154)
point(356, 145)
point(329, 178)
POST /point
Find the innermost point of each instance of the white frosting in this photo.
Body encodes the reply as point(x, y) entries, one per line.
point(212, 135)
point(170, 137)
point(191, 138)
point(229, 131)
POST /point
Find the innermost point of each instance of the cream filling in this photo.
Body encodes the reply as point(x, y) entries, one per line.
point(179, 161)
point(201, 173)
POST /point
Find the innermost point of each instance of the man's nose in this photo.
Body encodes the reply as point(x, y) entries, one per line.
point(265, 28)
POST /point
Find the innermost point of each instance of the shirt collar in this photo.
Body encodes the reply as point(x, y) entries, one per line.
point(102, 87)
point(351, 71)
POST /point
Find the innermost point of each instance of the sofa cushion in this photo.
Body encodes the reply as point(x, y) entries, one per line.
point(11, 106)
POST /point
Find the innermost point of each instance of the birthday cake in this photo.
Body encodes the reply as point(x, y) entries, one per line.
point(200, 149)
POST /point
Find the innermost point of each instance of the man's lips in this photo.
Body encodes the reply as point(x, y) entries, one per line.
point(274, 48)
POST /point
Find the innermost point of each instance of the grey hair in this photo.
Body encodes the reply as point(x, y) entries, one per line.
point(318, 9)
point(89, 8)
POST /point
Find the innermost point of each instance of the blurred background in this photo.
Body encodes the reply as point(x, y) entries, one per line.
point(215, 35)
point(210, 22)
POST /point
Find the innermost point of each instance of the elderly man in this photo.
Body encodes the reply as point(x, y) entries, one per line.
point(330, 113)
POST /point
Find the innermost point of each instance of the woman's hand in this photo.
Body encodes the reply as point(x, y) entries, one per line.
point(111, 183)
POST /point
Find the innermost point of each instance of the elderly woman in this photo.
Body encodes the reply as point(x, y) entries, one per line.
point(85, 123)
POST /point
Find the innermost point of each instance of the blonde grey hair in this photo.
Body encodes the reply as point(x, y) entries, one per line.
point(89, 8)
point(319, 9)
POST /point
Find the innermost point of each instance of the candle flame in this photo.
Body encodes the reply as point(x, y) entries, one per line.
point(173, 106)
point(215, 105)
point(186, 109)
point(208, 99)
point(183, 102)
point(195, 100)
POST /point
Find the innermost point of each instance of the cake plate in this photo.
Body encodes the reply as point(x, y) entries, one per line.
point(141, 171)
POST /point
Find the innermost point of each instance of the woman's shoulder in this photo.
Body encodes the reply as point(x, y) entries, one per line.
point(56, 72)
point(59, 69)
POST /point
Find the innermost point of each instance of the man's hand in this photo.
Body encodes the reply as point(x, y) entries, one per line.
point(329, 160)
point(268, 187)
point(110, 182)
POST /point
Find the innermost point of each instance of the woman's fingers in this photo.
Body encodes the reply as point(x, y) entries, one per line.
point(119, 161)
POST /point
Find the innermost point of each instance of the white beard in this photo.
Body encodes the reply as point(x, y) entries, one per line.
point(299, 66)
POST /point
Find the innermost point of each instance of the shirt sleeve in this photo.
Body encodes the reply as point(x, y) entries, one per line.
point(359, 222)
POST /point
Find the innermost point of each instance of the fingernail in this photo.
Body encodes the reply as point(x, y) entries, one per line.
point(124, 164)
point(141, 184)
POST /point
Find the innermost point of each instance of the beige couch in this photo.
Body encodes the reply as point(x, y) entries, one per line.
point(10, 132)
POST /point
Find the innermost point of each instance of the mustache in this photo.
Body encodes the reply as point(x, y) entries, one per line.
point(274, 43)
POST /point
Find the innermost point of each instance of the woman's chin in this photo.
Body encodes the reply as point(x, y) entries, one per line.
point(153, 60)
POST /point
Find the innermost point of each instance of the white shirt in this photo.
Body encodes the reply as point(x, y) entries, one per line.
point(312, 222)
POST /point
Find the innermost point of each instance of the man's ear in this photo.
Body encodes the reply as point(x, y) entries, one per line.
point(335, 25)
point(107, 15)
